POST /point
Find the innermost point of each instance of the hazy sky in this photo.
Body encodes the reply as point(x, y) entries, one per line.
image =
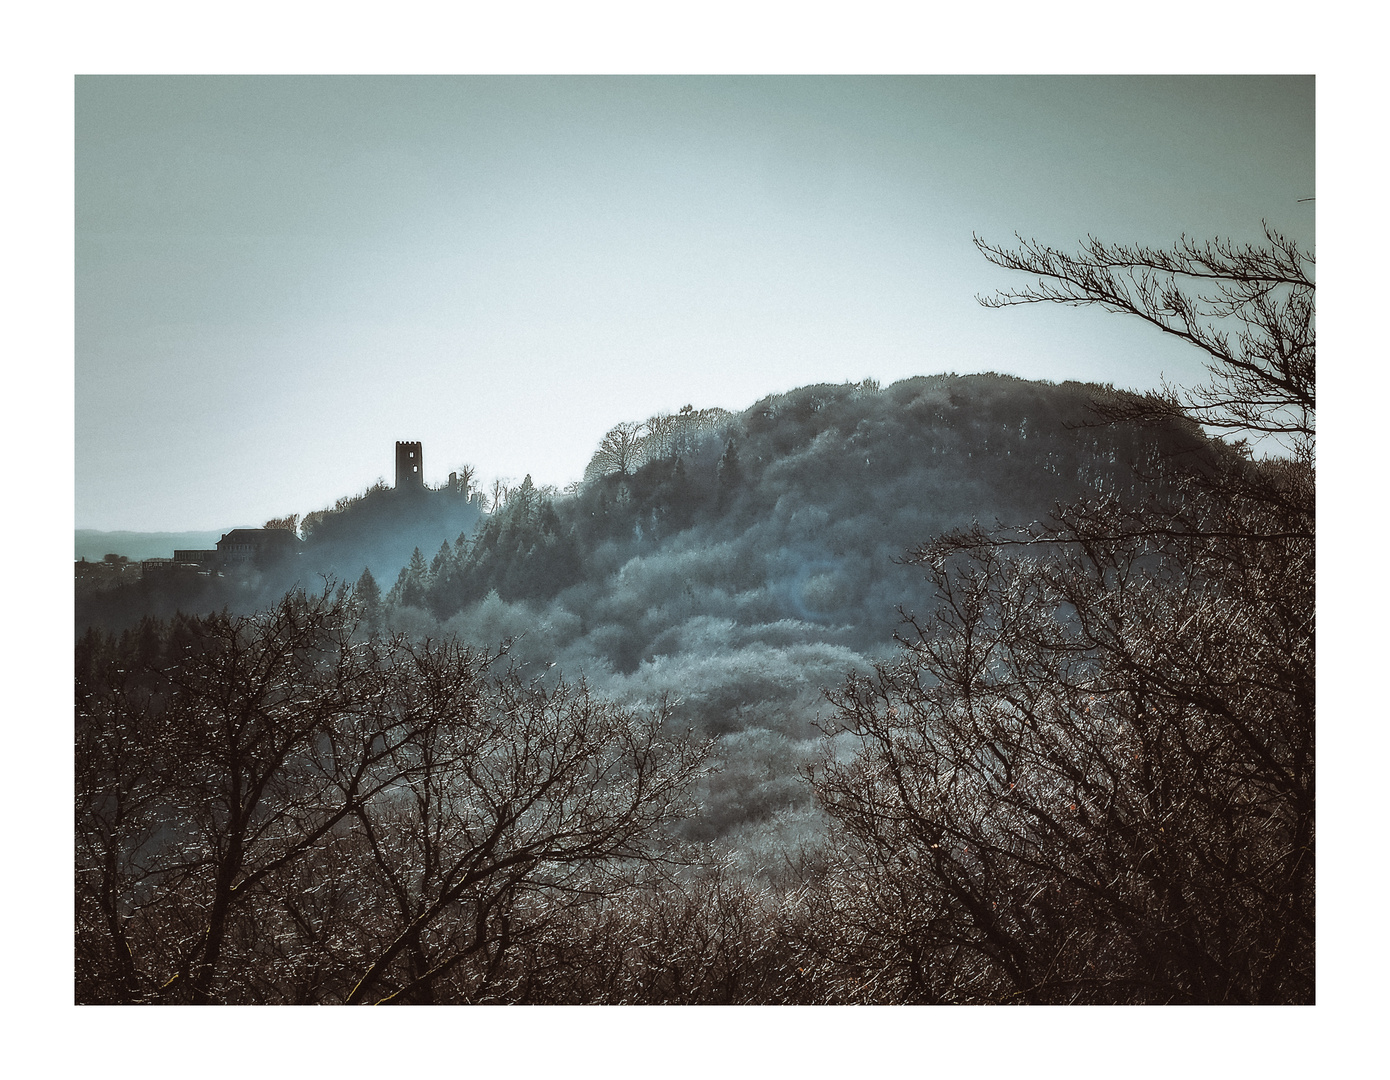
point(279, 277)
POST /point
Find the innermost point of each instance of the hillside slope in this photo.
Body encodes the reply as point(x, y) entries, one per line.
point(758, 565)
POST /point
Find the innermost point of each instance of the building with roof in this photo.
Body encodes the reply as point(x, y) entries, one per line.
point(243, 548)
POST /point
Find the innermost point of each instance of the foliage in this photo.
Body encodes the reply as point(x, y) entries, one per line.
point(520, 550)
point(367, 593)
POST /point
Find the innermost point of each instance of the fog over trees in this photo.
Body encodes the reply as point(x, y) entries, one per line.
point(962, 689)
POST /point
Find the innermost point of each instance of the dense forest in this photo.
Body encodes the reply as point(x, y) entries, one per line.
point(963, 689)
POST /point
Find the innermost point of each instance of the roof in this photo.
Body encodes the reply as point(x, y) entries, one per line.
point(259, 537)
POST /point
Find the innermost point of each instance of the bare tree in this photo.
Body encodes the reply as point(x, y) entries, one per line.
point(1249, 307)
point(280, 808)
point(464, 477)
point(1090, 775)
point(289, 522)
point(660, 438)
point(512, 793)
point(244, 741)
point(501, 492)
point(618, 452)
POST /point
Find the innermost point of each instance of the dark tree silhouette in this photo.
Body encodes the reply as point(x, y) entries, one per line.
point(619, 451)
point(281, 809)
point(412, 585)
point(1090, 775)
point(1249, 307)
point(367, 591)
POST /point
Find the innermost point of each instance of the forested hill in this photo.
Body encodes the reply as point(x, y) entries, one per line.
point(738, 563)
point(743, 568)
point(783, 520)
point(376, 529)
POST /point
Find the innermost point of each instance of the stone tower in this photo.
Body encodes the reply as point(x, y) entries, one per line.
point(410, 466)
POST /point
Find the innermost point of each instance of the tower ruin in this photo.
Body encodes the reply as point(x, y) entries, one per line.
point(410, 467)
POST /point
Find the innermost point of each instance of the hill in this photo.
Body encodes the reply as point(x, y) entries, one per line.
point(743, 571)
point(377, 530)
point(737, 565)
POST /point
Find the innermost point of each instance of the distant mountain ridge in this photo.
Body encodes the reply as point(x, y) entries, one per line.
point(93, 544)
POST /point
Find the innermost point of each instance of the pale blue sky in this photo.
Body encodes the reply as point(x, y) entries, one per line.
point(279, 277)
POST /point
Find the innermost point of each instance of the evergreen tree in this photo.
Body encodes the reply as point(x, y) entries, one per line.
point(411, 586)
point(367, 593)
point(523, 501)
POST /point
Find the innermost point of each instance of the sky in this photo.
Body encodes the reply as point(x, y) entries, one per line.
point(279, 277)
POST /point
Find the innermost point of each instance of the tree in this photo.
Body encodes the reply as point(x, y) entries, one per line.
point(524, 500)
point(515, 794)
point(618, 451)
point(686, 426)
point(1249, 307)
point(367, 592)
point(208, 766)
point(442, 561)
point(662, 431)
point(464, 477)
point(1090, 775)
point(413, 583)
point(289, 522)
point(279, 809)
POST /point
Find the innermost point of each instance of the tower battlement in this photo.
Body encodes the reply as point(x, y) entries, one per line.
point(410, 466)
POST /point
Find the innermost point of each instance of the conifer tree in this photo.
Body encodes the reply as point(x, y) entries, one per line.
point(412, 583)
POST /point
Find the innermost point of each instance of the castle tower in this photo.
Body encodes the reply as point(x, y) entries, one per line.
point(410, 466)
